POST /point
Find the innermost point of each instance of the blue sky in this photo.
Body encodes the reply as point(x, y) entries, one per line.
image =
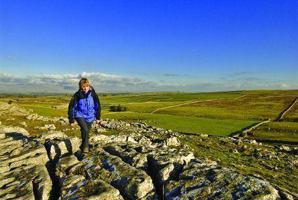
point(149, 45)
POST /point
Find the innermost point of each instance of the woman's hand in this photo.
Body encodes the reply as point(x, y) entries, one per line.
point(72, 124)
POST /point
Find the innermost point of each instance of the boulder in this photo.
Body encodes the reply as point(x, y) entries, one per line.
point(172, 141)
point(53, 135)
point(60, 147)
point(210, 181)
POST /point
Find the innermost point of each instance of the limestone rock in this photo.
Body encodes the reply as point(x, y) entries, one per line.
point(53, 135)
point(11, 109)
point(110, 172)
point(65, 163)
point(99, 139)
point(129, 154)
point(172, 141)
point(12, 130)
point(46, 127)
point(210, 181)
point(149, 163)
point(23, 167)
point(101, 130)
point(62, 146)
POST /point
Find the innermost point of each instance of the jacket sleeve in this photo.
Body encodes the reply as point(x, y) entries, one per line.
point(97, 106)
point(71, 109)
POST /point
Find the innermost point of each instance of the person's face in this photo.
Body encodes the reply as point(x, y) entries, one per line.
point(86, 87)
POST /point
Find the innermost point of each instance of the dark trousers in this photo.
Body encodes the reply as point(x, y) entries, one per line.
point(85, 128)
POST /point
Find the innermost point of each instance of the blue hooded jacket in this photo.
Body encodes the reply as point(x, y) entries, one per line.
point(85, 105)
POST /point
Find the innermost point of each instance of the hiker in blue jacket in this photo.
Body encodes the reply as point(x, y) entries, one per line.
point(84, 107)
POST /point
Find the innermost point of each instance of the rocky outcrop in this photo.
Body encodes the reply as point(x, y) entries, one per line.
point(9, 109)
point(207, 180)
point(23, 166)
point(60, 120)
point(141, 162)
point(11, 130)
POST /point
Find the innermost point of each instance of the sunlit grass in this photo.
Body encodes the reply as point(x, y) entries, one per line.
point(217, 113)
point(185, 124)
point(278, 131)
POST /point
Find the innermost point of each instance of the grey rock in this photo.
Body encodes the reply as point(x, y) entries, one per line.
point(65, 163)
point(204, 135)
point(11, 130)
point(210, 181)
point(11, 109)
point(23, 167)
point(91, 190)
point(124, 167)
point(167, 164)
point(100, 139)
point(53, 135)
point(129, 155)
point(110, 172)
point(172, 141)
point(62, 146)
point(101, 130)
point(285, 148)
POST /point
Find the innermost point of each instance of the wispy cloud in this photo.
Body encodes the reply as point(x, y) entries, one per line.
point(103, 82)
point(69, 83)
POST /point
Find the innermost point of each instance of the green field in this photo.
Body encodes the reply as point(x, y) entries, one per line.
point(250, 107)
point(278, 131)
point(293, 114)
point(185, 123)
point(217, 113)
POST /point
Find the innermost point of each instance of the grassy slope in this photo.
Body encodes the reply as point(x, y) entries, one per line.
point(185, 124)
point(293, 114)
point(219, 117)
point(278, 131)
point(218, 113)
point(140, 107)
point(276, 171)
point(221, 114)
point(250, 107)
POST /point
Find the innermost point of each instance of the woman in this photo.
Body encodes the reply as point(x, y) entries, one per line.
point(84, 107)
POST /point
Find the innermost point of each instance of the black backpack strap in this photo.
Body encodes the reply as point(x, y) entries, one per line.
point(96, 103)
point(72, 104)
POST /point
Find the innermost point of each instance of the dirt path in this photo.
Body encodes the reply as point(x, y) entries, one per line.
point(192, 102)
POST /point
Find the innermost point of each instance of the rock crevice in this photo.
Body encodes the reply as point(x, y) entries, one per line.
point(127, 166)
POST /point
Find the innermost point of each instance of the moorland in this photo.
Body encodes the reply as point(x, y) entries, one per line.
point(267, 120)
point(217, 113)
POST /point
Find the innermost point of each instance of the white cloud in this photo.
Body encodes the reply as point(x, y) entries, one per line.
point(102, 82)
point(69, 83)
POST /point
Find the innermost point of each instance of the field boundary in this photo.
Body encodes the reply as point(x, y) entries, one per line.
point(188, 103)
point(249, 128)
point(278, 96)
point(283, 113)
